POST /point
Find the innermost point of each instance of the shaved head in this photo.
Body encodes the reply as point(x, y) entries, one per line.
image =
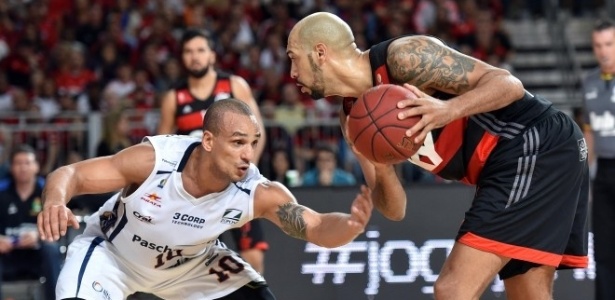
point(215, 116)
point(326, 28)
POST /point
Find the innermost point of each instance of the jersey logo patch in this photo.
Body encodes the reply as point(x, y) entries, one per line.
point(152, 199)
point(142, 218)
point(582, 149)
point(221, 96)
point(188, 220)
point(231, 216)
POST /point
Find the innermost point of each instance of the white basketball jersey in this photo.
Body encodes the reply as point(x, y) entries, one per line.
point(159, 225)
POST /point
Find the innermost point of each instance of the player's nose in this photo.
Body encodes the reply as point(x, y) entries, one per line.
point(293, 71)
point(248, 154)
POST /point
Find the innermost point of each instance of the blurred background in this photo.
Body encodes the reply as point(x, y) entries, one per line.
point(64, 64)
point(68, 66)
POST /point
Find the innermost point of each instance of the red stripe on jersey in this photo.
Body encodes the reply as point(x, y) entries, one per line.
point(574, 261)
point(384, 75)
point(512, 251)
point(186, 122)
point(183, 96)
point(480, 155)
point(222, 86)
point(449, 142)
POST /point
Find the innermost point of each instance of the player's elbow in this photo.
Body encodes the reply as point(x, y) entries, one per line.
point(392, 212)
point(397, 215)
point(332, 244)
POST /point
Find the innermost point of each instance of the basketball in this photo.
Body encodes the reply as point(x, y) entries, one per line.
point(375, 130)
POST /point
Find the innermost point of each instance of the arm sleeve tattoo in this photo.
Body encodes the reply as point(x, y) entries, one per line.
point(426, 64)
point(291, 217)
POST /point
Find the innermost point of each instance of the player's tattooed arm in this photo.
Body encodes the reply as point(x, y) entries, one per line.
point(428, 64)
point(291, 218)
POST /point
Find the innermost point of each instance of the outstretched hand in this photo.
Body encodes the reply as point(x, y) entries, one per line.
point(54, 220)
point(361, 210)
point(434, 113)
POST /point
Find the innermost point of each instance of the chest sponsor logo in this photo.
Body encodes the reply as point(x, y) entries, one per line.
point(188, 220)
point(142, 218)
point(152, 199)
point(231, 216)
point(173, 163)
point(221, 96)
point(152, 246)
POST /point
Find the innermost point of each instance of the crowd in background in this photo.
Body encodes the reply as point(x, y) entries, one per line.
point(62, 59)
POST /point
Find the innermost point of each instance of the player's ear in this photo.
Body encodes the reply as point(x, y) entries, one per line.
point(208, 140)
point(321, 52)
point(212, 59)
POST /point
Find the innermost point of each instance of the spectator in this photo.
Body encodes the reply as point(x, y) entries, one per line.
point(291, 113)
point(599, 131)
point(326, 172)
point(116, 133)
point(23, 254)
point(281, 167)
point(6, 93)
point(46, 99)
point(74, 76)
point(171, 74)
point(123, 84)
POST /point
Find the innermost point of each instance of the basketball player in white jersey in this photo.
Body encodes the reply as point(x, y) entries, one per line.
point(178, 194)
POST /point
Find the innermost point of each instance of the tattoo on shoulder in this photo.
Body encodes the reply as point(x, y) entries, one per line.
point(291, 217)
point(426, 64)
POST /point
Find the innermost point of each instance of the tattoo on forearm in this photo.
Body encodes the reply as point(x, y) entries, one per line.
point(291, 217)
point(427, 64)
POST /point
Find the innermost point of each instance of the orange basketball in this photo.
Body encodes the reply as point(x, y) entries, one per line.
point(375, 130)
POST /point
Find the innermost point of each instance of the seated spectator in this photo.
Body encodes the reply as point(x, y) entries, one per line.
point(291, 112)
point(281, 168)
point(326, 172)
point(22, 253)
point(6, 93)
point(116, 133)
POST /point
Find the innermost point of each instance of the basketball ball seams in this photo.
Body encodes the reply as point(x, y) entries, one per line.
point(368, 110)
point(379, 130)
point(394, 147)
point(374, 126)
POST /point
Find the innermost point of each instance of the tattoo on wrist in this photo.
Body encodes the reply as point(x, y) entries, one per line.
point(291, 217)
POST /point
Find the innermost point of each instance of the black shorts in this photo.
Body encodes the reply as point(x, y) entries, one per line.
point(531, 201)
point(249, 236)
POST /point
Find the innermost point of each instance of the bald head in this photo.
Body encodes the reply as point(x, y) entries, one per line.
point(215, 116)
point(326, 28)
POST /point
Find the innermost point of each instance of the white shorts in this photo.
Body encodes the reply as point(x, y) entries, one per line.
point(93, 270)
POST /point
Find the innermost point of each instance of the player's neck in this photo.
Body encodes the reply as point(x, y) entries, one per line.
point(198, 168)
point(352, 76)
point(203, 82)
point(25, 188)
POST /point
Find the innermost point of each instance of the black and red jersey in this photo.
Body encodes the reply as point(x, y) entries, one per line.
point(191, 110)
point(459, 150)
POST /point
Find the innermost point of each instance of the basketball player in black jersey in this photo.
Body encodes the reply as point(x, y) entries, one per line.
point(478, 125)
point(183, 108)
